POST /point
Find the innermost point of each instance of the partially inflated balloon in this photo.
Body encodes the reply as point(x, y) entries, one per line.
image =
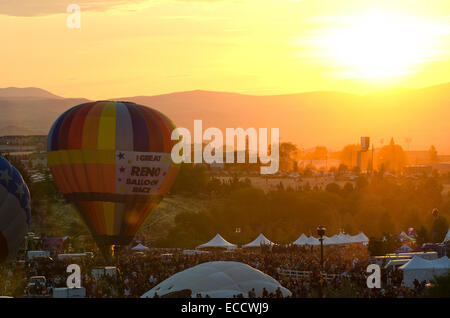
point(112, 161)
point(14, 210)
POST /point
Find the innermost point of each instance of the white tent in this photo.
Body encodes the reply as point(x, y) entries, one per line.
point(422, 269)
point(260, 240)
point(329, 240)
point(218, 280)
point(302, 240)
point(447, 237)
point(443, 262)
point(360, 238)
point(312, 241)
point(217, 241)
point(348, 238)
point(336, 239)
point(341, 238)
point(140, 247)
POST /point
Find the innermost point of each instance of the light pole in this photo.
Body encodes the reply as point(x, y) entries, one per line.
point(321, 232)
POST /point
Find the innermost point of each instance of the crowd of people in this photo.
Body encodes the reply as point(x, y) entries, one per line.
point(138, 272)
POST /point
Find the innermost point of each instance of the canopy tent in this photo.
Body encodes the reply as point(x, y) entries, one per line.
point(443, 262)
point(349, 238)
point(217, 241)
point(336, 239)
point(329, 240)
point(312, 241)
point(259, 241)
point(217, 280)
point(447, 237)
point(140, 247)
point(342, 238)
point(360, 238)
point(302, 240)
point(422, 269)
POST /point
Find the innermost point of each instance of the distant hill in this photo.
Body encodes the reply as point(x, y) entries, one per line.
point(307, 119)
point(28, 92)
point(28, 115)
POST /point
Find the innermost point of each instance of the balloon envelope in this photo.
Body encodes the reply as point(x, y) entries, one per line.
point(15, 210)
point(112, 161)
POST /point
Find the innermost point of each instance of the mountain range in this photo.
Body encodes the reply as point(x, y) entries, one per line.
point(328, 118)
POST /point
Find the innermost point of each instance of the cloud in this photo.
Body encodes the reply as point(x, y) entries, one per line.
point(32, 8)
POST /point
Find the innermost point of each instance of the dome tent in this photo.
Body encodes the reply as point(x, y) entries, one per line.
point(217, 241)
point(218, 280)
point(301, 240)
point(260, 240)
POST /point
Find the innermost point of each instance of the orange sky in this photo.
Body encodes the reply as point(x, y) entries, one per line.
point(248, 46)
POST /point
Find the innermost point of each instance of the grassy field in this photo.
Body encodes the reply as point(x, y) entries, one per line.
point(59, 219)
point(159, 222)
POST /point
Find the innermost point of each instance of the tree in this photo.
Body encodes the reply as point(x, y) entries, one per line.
point(288, 156)
point(433, 154)
point(376, 247)
point(385, 223)
point(422, 236)
point(348, 188)
point(320, 153)
point(440, 287)
point(192, 178)
point(392, 157)
point(361, 182)
point(333, 188)
point(439, 228)
point(349, 155)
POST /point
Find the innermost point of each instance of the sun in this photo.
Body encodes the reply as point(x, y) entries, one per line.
point(378, 45)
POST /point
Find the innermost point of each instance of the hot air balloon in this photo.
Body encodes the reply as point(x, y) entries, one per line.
point(112, 161)
point(14, 210)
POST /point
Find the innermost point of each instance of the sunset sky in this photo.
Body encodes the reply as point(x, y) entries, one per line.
point(147, 47)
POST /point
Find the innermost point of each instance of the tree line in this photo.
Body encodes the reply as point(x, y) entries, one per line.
point(375, 205)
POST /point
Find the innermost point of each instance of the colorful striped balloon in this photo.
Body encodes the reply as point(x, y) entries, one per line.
point(112, 161)
point(15, 211)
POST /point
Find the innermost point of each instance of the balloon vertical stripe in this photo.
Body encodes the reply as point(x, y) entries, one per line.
point(76, 128)
point(90, 130)
point(124, 140)
point(107, 127)
point(140, 132)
